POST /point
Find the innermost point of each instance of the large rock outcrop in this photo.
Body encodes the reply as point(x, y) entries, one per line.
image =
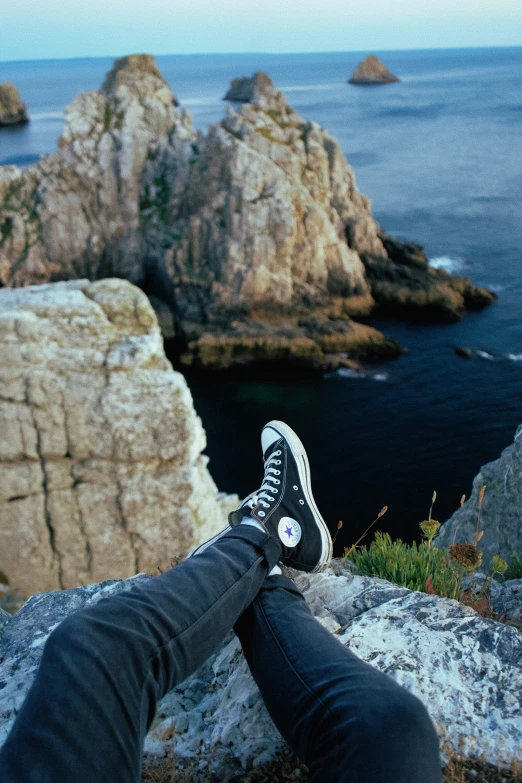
point(467, 671)
point(101, 471)
point(254, 234)
point(77, 213)
point(12, 108)
point(501, 512)
point(372, 71)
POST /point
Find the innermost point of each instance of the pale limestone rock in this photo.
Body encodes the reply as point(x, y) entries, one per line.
point(12, 109)
point(101, 472)
point(467, 671)
point(501, 513)
point(77, 213)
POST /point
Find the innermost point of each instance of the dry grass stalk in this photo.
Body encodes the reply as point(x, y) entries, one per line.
point(433, 499)
point(339, 526)
point(381, 513)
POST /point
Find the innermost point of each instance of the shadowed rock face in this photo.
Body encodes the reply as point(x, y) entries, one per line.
point(242, 89)
point(372, 71)
point(501, 513)
point(464, 668)
point(242, 232)
point(101, 472)
point(12, 109)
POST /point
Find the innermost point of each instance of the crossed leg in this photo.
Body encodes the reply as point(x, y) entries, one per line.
point(105, 668)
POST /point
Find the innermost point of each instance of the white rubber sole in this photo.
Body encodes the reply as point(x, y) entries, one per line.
point(303, 468)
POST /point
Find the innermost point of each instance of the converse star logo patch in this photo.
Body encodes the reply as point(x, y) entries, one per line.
point(289, 531)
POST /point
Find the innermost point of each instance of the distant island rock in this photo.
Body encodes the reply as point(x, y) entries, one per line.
point(12, 109)
point(372, 71)
point(242, 89)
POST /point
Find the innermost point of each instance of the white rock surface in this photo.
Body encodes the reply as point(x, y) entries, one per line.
point(101, 472)
point(466, 670)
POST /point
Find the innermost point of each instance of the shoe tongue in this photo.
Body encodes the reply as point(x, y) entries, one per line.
point(269, 438)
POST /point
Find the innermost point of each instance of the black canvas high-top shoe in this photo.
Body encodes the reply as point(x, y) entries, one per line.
point(284, 504)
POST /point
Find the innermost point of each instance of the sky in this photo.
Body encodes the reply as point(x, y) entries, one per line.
point(38, 29)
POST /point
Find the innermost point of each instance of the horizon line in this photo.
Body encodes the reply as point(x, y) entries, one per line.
point(260, 52)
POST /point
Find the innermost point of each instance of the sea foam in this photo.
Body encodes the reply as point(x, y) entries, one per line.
point(451, 265)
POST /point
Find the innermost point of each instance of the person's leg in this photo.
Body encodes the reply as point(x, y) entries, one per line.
point(346, 720)
point(104, 668)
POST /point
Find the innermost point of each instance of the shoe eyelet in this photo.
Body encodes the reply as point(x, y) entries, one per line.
point(277, 453)
point(296, 487)
point(278, 472)
point(277, 481)
point(301, 502)
point(261, 513)
point(278, 462)
point(275, 490)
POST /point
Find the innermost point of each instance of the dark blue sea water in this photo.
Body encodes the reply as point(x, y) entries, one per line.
point(440, 155)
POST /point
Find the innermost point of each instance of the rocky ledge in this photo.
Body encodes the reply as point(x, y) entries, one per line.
point(101, 471)
point(500, 512)
point(372, 71)
point(467, 670)
point(12, 109)
point(253, 236)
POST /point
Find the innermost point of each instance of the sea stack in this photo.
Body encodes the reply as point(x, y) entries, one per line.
point(12, 109)
point(242, 88)
point(372, 71)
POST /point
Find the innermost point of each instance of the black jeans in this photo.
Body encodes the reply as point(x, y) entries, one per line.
point(104, 669)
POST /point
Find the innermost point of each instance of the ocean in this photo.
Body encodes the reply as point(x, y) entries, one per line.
point(440, 156)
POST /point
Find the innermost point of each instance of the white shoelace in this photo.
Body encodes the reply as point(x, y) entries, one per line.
point(265, 494)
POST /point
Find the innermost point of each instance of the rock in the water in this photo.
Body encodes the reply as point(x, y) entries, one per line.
point(501, 513)
point(466, 670)
point(465, 353)
point(372, 71)
point(242, 89)
point(12, 109)
point(101, 472)
point(259, 220)
point(405, 285)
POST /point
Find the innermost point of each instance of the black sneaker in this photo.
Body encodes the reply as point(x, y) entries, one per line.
point(284, 504)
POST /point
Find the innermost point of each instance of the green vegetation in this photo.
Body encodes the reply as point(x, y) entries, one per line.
point(432, 570)
point(156, 197)
point(6, 229)
point(406, 565)
point(514, 569)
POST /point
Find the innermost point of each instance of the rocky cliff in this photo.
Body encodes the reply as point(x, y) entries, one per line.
point(254, 234)
point(12, 109)
point(372, 71)
point(501, 512)
point(466, 670)
point(101, 472)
